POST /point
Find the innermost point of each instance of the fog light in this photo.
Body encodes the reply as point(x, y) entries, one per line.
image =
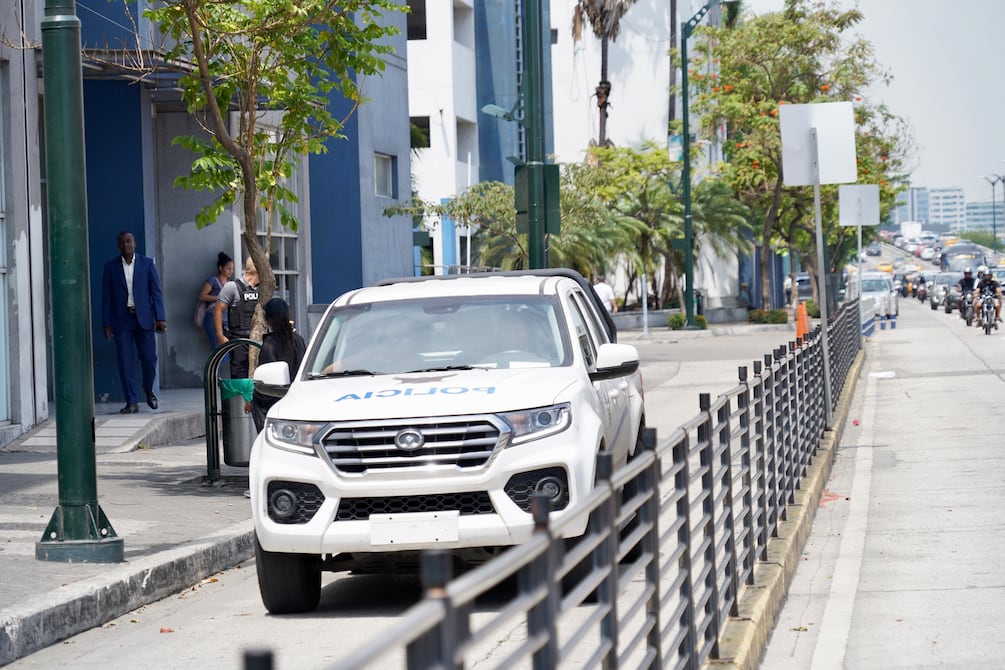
point(550, 486)
point(283, 503)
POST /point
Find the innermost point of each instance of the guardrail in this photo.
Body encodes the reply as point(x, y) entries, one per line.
point(672, 539)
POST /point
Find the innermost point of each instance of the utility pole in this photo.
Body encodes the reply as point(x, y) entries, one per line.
point(534, 119)
point(78, 531)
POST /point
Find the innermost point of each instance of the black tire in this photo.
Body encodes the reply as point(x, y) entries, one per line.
point(970, 318)
point(288, 583)
point(934, 306)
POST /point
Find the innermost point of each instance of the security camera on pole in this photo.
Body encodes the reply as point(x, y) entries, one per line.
point(818, 147)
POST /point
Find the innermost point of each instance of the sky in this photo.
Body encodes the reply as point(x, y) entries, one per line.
point(947, 59)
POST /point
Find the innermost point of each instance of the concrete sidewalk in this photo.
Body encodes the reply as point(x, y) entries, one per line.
point(151, 471)
point(176, 530)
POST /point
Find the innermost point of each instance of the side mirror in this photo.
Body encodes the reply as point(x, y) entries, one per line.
point(615, 360)
point(272, 379)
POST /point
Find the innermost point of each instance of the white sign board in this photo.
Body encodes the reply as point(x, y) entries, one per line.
point(835, 126)
point(859, 205)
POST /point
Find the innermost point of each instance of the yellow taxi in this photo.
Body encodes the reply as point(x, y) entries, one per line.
point(885, 266)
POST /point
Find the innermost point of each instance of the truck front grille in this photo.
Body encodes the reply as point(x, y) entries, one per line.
point(360, 509)
point(447, 444)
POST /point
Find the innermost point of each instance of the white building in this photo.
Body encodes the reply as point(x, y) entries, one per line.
point(639, 103)
point(947, 208)
point(442, 102)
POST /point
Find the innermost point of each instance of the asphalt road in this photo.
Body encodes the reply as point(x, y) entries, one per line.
point(903, 566)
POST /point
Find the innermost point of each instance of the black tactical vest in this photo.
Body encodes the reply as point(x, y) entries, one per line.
point(239, 316)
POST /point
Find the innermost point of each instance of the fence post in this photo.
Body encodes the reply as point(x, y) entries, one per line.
point(649, 515)
point(706, 446)
point(435, 648)
point(542, 617)
point(747, 460)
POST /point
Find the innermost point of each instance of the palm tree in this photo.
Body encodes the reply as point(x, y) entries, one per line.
point(605, 18)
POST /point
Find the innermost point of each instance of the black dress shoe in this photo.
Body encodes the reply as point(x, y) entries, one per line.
point(130, 409)
point(152, 400)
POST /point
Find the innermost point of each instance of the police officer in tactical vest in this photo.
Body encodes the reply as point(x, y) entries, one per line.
point(238, 297)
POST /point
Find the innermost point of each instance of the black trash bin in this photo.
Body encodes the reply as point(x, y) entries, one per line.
point(238, 428)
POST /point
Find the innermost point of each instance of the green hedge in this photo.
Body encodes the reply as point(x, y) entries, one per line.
point(676, 321)
point(768, 316)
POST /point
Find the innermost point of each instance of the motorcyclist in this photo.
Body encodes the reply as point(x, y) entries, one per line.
point(966, 283)
point(988, 284)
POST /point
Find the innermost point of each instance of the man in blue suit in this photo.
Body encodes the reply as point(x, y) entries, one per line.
point(132, 308)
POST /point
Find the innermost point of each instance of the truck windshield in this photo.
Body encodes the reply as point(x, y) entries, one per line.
point(436, 334)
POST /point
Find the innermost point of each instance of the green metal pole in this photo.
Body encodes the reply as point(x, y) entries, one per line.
point(685, 34)
point(78, 530)
point(534, 116)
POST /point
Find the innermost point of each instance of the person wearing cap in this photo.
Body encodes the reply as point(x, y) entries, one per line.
point(280, 343)
point(238, 299)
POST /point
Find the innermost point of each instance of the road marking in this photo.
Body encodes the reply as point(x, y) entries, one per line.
point(828, 497)
point(835, 627)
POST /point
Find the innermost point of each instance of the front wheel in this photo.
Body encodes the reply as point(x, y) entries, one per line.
point(970, 317)
point(288, 583)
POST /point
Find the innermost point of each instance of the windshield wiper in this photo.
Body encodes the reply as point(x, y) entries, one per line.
point(343, 373)
point(449, 368)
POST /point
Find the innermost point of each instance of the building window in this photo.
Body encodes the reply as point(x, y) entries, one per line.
point(385, 184)
point(420, 132)
point(416, 19)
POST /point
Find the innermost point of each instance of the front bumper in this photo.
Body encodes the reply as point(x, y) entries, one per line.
point(414, 510)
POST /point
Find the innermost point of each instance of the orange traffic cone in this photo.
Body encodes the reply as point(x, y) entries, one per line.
point(802, 321)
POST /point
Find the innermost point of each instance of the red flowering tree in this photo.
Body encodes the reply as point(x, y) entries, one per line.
point(803, 54)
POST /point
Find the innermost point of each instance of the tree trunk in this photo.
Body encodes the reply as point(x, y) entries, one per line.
point(603, 93)
point(766, 251)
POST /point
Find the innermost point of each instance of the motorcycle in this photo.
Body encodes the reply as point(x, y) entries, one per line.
point(923, 291)
point(988, 312)
point(967, 307)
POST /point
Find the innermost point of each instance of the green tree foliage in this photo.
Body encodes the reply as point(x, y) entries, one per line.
point(805, 54)
point(273, 64)
point(641, 190)
point(621, 204)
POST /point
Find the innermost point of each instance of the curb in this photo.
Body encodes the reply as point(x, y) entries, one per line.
point(668, 335)
point(180, 427)
point(57, 615)
point(745, 638)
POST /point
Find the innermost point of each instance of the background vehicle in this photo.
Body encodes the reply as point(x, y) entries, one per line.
point(988, 313)
point(941, 289)
point(805, 286)
point(967, 307)
point(873, 249)
point(425, 414)
point(877, 295)
point(961, 255)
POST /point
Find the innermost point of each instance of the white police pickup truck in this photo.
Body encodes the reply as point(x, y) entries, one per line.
point(425, 414)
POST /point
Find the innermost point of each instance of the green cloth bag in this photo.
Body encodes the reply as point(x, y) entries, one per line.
point(230, 388)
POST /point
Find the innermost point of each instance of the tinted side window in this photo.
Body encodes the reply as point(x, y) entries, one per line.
point(584, 338)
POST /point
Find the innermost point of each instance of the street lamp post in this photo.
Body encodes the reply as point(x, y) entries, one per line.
point(685, 33)
point(995, 179)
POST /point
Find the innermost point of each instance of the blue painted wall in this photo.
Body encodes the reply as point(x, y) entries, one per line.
point(336, 234)
point(112, 143)
point(495, 67)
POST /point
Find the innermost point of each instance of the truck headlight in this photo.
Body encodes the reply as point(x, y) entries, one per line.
point(533, 424)
point(296, 436)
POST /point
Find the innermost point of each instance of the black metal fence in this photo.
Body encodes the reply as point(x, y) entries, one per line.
point(672, 539)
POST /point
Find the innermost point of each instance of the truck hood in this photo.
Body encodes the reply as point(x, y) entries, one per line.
point(425, 394)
